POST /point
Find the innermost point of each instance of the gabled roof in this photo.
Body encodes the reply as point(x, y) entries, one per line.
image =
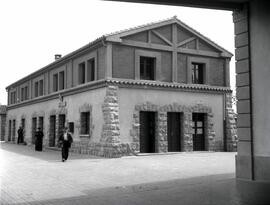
point(117, 36)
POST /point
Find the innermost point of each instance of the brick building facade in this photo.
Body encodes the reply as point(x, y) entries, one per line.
point(161, 87)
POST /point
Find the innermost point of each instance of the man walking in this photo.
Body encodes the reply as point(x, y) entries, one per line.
point(65, 141)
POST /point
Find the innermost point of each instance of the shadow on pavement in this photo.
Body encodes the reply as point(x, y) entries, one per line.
point(209, 190)
point(46, 154)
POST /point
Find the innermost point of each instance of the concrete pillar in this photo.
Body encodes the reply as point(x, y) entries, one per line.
point(244, 159)
point(252, 41)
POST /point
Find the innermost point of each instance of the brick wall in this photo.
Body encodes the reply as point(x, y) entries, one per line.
point(123, 62)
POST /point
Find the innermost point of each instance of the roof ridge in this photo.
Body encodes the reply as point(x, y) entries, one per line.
point(164, 20)
point(140, 26)
point(196, 31)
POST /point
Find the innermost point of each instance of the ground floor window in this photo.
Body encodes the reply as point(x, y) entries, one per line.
point(85, 123)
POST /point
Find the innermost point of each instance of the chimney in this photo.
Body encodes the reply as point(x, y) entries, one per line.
point(57, 56)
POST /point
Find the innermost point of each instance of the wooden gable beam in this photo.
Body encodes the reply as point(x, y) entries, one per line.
point(162, 37)
point(186, 41)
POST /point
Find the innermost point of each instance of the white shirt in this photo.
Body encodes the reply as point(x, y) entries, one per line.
point(65, 136)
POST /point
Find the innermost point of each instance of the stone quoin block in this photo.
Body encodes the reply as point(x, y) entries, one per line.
point(243, 133)
point(241, 40)
point(241, 53)
point(243, 106)
point(243, 120)
point(242, 93)
point(241, 26)
point(242, 79)
point(242, 66)
point(244, 148)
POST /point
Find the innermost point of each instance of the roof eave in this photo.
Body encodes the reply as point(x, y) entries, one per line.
point(61, 60)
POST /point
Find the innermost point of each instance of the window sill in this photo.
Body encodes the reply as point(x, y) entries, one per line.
point(84, 136)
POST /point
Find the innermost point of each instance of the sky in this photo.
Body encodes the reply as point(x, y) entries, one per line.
point(33, 31)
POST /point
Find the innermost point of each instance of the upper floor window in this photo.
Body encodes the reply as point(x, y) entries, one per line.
point(197, 73)
point(41, 87)
point(24, 93)
point(55, 82)
point(36, 89)
point(13, 97)
point(91, 70)
point(147, 68)
point(61, 80)
point(81, 73)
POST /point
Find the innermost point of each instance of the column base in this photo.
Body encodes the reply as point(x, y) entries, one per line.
point(253, 192)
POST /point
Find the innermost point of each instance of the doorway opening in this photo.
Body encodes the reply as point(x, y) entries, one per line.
point(147, 132)
point(34, 129)
point(61, 123)
point(174, 122)
point(198, 131)
point(9, 130)
point(52, 131)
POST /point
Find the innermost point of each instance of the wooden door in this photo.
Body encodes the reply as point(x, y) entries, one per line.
point(61, 124)
point(9, 130)
point(52, 131)
point(34, 129)
point(13, 130)
point(147, 132)
point(198, 131)
point(174, 132)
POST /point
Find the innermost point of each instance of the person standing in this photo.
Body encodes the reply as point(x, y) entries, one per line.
point(39, 140)
point(20, 135)
point(65, 140)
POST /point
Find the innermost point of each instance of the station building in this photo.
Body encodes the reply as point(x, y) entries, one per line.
point(2, 122)
point(160, 87)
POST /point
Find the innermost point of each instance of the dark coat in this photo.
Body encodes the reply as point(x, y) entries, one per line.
point(69, 141)
point(39, 137)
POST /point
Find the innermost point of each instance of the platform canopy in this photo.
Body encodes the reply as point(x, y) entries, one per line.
point(213, 4)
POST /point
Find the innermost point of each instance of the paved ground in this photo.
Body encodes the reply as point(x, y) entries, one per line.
point(29, 177)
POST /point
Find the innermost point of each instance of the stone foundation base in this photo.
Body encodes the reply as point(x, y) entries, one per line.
point(103, 150)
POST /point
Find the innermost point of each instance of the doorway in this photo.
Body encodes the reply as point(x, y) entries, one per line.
point(174, 131)
point(198, 131)
point(61, 123)
point(52, 131)
point(13, 130)
point(9, 130)
point(41, 123)
point(34, 129)
point(147, 132)
point(23, 127)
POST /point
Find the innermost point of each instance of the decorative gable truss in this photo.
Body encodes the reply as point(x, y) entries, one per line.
point(170, 35)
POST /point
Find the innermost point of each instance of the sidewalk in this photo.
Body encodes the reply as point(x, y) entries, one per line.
point(29, 177)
